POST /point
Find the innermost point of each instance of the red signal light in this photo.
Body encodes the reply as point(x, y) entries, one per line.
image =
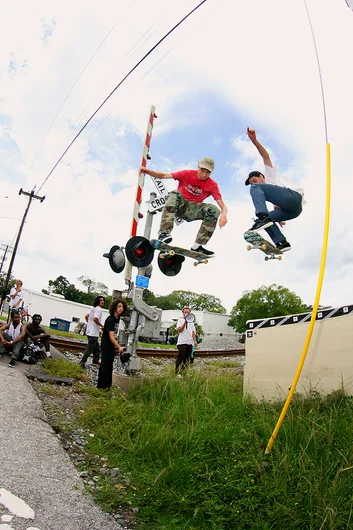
point(140, 252)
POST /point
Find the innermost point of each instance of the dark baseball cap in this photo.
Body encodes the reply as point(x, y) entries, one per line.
point(252, 174)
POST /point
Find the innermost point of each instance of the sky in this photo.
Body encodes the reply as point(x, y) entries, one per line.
point(230, 65)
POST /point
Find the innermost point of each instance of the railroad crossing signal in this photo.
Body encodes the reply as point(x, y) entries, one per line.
point(170, 265)
point(139, 251)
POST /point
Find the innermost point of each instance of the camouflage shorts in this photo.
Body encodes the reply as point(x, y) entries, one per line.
point(178, 206)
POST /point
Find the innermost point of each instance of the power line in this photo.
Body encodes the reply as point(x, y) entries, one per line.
point(31, 196)
point(74, 127)
point(107, 116)
point(73, 86)
point(116, 88)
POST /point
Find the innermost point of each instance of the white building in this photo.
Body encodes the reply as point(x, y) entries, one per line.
point(213, 324)
point(56, 307)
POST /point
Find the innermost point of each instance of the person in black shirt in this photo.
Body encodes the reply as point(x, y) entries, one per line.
point(109, 345)
point(38, 334)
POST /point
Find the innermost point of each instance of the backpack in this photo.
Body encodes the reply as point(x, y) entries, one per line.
point(29, 353)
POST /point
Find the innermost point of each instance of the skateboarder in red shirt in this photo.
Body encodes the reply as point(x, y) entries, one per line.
point(194, 186)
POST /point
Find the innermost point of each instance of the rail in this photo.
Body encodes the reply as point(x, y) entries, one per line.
point(78, 346)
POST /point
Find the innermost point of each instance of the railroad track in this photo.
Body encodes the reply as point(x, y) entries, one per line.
point(75, 346)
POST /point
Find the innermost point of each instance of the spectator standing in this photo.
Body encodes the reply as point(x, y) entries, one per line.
point(186, 341)
point(11, 337)
point(16, 296)
point(37, 334)
point(94, 325)
point(110, 346)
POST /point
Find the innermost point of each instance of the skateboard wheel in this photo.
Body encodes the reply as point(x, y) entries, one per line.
point(196, 263)
point(162, 256)
point(205, 261)
point(248, 247)
point(171, 252)
point(279, 257)
point(266, 258)
point(263, 246)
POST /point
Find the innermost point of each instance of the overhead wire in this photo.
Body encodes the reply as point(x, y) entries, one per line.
point(72, 88)
point(116, 88)
point(98, 127)
point(84, 112)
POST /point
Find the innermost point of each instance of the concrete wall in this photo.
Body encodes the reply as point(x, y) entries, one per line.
point(274, 348)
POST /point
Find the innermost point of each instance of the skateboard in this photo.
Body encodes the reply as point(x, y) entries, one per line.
point(257, 241)
point(169, 250)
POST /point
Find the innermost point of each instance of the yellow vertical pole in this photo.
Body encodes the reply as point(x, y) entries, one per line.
point(315, 307)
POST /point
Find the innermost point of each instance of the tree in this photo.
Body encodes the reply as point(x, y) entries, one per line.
point(11, 283)
point(92, 286)
point(265, 302)
point(62, 286)
point(196, 302)
point(149, 297)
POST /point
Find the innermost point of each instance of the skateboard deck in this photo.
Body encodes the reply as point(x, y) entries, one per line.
point(169, 250)
point(50, 378)
point(258, 242)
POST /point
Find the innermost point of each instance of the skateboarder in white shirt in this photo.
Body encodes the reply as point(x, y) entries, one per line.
point(280, 191)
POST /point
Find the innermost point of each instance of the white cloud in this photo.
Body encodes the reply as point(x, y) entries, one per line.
point(256, 58)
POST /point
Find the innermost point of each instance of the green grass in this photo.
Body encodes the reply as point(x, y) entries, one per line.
point(195, 451)
point(67, 334)
point(63, 368)
point(157, 346)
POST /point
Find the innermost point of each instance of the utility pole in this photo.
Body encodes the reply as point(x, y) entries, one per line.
point(31, 196)
point(5, 249)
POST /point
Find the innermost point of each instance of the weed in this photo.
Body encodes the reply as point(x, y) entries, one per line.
point(194, 451)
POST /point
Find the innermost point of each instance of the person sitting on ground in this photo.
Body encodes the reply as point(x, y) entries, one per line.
point(94, 325)
point(11, 337)
point(194, 186)
point(276, 189)
point(37, 334)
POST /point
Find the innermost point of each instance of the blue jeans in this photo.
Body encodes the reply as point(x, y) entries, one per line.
point(289, 204)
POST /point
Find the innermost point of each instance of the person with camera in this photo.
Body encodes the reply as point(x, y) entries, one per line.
point(186, 340)
point(109, 344)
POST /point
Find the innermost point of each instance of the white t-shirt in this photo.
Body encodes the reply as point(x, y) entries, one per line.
point(185, 337)
point(19, 296)
point(92, 329)
point(13, 331)
point(272, 177)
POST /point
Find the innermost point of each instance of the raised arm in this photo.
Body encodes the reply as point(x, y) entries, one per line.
point(262, 151)
point(155, 174)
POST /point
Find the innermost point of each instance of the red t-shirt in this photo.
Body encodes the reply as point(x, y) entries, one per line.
point(194, 189)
